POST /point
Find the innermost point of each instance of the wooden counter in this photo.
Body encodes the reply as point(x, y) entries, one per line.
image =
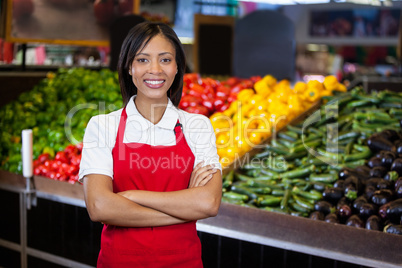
point(327, 240)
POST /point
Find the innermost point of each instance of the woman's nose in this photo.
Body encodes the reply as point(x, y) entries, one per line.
point(155, 67)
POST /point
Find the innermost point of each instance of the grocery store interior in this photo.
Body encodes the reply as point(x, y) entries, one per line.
point(304, 96)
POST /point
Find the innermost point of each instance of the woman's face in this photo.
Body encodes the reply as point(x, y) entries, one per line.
point(154, 68)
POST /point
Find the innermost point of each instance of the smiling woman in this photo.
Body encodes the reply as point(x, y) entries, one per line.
point(153, 71)
point(150, 170)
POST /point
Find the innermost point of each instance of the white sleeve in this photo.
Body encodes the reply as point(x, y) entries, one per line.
point(96, 155)
point(203, 140)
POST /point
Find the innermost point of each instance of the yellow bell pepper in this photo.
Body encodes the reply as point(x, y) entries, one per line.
point(312, 94)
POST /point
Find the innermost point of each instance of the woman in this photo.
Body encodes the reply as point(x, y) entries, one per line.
point(150, 170)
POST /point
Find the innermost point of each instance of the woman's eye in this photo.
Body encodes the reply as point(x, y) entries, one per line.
point(166, 60)
point(141, 60)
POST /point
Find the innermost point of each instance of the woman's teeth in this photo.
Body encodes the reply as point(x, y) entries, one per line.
point(154, 82)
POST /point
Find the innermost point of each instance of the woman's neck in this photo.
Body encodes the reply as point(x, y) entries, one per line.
point(151, 110)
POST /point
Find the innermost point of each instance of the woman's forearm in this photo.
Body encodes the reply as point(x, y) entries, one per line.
point(105, 206)
point(189, 204)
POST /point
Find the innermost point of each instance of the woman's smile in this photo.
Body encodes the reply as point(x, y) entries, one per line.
point(154, 83)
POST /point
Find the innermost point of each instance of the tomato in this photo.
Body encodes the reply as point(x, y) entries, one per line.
point(189, 101)
point(62, 157)
point(55, 165)
point(73, 170)
point(219, 103)
point(247, 83)
point(43, 157)
point(79, 147)
point(51, 175)
point(37, 170)
point(195, 90)
point(104, 11)
point(191, 78)
point(197, 109)
point(75, 160)
point(71, 149)
point(61, 176)
point(222, 91)
point(73, 179)
point(232, 81)
point(36, 162)
point(224, 107)
point(208, 93)
point(209, 105)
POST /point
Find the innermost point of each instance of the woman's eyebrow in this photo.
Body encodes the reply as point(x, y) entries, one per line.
point(160, 54)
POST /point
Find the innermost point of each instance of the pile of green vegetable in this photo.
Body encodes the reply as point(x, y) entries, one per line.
point(77, 92)
point(298, 170)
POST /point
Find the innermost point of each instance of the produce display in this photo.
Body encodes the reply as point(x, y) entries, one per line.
point(59, 107)
point(341, 164)
point(268, 106)
point(57, 110)
point(302, 171)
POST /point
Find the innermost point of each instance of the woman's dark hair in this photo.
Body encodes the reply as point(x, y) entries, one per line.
point(137, 39)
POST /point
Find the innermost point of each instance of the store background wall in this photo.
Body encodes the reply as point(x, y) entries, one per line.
point(300, 15)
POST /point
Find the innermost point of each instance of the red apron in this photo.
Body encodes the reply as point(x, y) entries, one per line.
point(139, 166)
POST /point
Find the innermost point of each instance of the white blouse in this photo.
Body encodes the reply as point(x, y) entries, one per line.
point(101, 131)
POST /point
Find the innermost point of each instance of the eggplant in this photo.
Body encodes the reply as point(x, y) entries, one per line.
point(355, 221)
point(332, 194)
point(343, 201)
point(324, 206)
point(382, 211)
point(374, 223)
point(350, 191)
point(359, 202)
point(331, 217)
point(387, 158)
point(363, 171)
point(373, 182)
point(354, 180)
point(398, 191)
point(344, 212)
point(367, 209)
point(377, 143)
point(369, 191)
point(384, 184)
point(381, 197)
point(393, 229)
point(317, 215)
point(374, 161)
point(398, 182)
point(339, 183)
point(346, 172)
point(391, 176)
point(378, 171)
point(398, 146)
point(389, 134)
point(394, 211)
point(397, 166)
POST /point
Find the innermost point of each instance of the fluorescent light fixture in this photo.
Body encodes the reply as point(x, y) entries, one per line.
point(296, 2)
point(287, 2)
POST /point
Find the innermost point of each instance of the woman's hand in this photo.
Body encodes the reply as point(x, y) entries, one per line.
point(201, 175)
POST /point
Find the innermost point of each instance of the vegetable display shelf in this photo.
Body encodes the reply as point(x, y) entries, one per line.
point(327, 240)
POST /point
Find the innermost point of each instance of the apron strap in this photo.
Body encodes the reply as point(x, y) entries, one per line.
point(178, 127)
point(122, 126)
